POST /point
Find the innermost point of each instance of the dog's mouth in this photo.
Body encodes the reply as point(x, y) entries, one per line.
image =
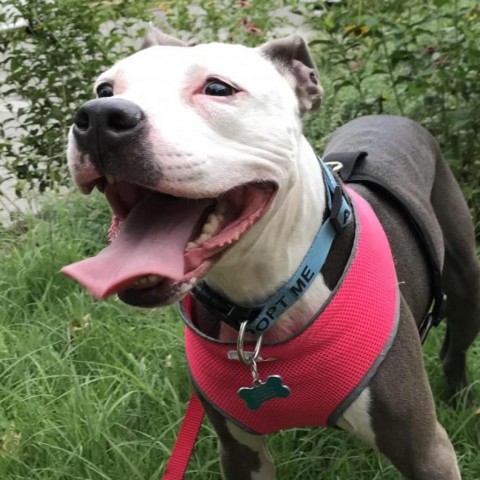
point(161, 245)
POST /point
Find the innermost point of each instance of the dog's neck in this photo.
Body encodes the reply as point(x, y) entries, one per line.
point(272, 251)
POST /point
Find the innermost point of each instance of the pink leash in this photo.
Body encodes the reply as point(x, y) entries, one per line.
point(183, 449)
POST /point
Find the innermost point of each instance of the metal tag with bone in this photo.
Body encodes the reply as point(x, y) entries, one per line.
point(216, 192)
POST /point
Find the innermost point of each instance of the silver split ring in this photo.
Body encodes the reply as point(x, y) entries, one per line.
point(251, 356)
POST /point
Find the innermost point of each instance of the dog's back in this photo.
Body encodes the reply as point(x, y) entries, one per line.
point(403, 156)
point(406, 158)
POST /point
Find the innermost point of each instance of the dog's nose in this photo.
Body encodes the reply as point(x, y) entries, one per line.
point(107, 123)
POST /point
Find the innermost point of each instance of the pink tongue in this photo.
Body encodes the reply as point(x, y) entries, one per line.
point(151, 241)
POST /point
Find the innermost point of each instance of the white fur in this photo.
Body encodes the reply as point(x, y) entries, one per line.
point(208, 145)
point(356, 418)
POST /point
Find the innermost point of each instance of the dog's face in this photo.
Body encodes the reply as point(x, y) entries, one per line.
point(191, 146)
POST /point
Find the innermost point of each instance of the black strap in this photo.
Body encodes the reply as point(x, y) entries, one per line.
point(219, 305)
point(350, 162)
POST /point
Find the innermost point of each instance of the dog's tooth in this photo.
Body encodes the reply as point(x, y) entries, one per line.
point(110, 179)
point(191, 245)
point(147, 281)
point(212, 224)
point(204, 237)
point(208, 228)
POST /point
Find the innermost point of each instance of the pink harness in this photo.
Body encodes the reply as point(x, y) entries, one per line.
point(329, 363)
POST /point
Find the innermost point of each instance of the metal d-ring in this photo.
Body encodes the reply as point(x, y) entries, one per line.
point(250, 359)
point(335, 166)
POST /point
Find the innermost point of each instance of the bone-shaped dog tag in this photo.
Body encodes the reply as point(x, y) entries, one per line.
point(261, 392)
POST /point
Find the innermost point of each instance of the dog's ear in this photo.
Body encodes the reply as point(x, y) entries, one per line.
point(154, 36)
point(293, 60)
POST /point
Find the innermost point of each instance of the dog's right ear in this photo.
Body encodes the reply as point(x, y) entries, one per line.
point(155, 36)
point(292, 59)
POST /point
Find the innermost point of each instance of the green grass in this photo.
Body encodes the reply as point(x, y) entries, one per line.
point(105, 402)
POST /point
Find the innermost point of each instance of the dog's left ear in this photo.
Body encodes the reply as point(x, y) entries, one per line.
point(293, 60)
point(154, 36)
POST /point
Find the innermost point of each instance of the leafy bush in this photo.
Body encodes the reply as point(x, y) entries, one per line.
point(51, 65)
point(238, 21)
point(418, 59)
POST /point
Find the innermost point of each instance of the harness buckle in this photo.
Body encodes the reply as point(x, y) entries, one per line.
point(335, 209)
point(440, 310)
point(425, 327)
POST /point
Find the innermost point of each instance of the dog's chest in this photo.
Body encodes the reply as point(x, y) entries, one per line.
point(328, 364)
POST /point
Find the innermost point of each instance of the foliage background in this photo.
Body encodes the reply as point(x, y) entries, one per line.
point(52, 64)
point(405, 57)
point(96, 390)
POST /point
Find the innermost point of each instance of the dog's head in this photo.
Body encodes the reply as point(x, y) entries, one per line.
point(191, 146)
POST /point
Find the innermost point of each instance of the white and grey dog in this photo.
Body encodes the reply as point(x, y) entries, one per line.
point(200, 152)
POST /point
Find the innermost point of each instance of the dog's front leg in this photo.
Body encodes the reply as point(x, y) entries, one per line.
point(243, 456)
point(401, 412)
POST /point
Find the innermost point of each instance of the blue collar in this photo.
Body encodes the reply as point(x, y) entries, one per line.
point(262, 317)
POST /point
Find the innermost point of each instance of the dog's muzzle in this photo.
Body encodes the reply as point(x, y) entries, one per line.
point(107, 124)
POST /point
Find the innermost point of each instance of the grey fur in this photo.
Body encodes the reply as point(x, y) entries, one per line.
point(237, 460)
point(405, 155)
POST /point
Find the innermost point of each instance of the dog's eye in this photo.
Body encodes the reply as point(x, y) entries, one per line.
point(217, 88)
point(104, 90)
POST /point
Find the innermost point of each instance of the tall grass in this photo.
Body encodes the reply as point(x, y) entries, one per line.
point(96, 390)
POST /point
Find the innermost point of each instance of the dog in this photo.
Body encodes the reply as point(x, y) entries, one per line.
point(199, 151)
